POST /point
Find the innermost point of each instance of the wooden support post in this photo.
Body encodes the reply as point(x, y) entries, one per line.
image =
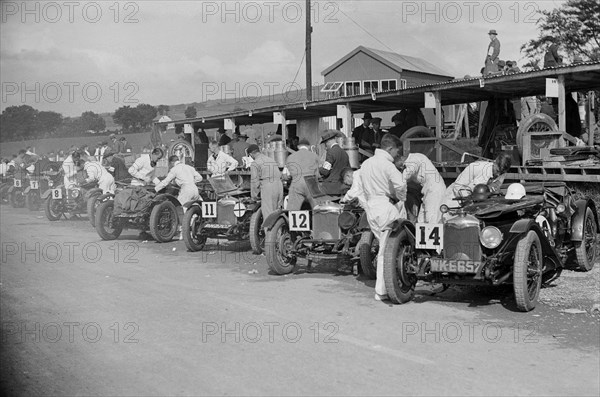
point(283, 128)
point(562, 120)
point(347, 120)
point(590, 117)
point(439, 124)
point(467, 127)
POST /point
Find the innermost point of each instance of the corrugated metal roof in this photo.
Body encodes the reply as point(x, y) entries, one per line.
point(393, 60)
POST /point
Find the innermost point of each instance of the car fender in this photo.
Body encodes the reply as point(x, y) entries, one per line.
point(27, 190)
point(11, 189)
point(363, 222)
point(105, 196)
point(46, 194)
point(578, 218)
point(92, 192)
point(523, 226)
point(400, 225)
point(271, 219)
point(159, 198)
point(193, 203)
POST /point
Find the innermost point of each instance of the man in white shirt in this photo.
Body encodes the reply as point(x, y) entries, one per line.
point(380, 181)
point(419, 169)
point(97, 173)
point(4, 167)
point(142, 169)
point(185, 177)
point(219, 163)
point(485, 172)
point(70, 170)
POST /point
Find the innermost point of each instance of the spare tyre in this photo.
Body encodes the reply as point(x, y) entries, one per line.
point(540, 122)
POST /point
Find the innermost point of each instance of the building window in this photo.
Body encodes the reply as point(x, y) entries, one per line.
point(332, 89)
point(402, 84)
point(352, 88)
point(388, 85)
point(370, 86)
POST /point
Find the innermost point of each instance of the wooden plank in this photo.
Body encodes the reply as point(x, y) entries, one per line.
point(439, 127)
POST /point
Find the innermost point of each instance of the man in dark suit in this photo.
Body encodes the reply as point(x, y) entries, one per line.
point(223, 138)
point(362, 130)
point(336, 160)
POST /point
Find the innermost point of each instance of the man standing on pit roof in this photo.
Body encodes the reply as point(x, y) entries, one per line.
point(491, 59)
point(265, 182)
point(336, 159)
point(297, 166)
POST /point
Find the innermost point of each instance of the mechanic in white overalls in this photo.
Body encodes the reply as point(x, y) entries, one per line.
point(70, 170)
point(381, 181)
point(185, 177)
point(97, 173)
point(418, 168)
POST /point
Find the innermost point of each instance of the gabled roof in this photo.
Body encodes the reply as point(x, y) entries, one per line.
point(393, 60)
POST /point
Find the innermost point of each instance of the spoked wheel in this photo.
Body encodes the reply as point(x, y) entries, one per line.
point(278, 244)
point(257, 233)
point(107, 226)
point(53, 209)
point(398, 256)
point(192, 229)
point(586, 248)
point(17, 198)
point(164, 222)
point(527, 272)
point(368, 248)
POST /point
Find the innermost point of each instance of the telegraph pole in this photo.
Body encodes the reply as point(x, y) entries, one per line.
point(308, 54)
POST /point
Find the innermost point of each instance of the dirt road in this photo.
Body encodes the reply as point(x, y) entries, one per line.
point(85, 317)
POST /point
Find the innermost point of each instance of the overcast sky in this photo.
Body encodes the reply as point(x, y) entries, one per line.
point(75, 56)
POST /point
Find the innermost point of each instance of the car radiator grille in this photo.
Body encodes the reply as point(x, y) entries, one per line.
point(225, 215)
point(325, 226)
point(462, 243)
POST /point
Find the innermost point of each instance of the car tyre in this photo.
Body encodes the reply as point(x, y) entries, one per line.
point(192, 229)
point(52, 209)
point(257, 233)
point(399, 252)
point(107, 226)
point(17, 198)
point(368, 254)
point(277, 242)
point(586, 248)
point(32, 200)
point(164, 221)
point(527, 271)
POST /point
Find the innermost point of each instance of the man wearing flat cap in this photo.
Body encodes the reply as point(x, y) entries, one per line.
point(116, 166)
point(362, 130)
point(297, 166)
point(223, 138)
point(491, 59)
point(265, 182)
point(336, 159)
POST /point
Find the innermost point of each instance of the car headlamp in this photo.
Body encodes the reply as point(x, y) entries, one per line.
point(74, 193)
point(560, 208)
point(490, 237)
point(346, 220)
point(50, 183)
point(444, 208)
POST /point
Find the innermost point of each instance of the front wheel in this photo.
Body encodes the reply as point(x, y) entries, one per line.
point(368, 248)
point(278, 244)
point(398, 255)
point(164, 222)
point(32, 200)
point(527, 272)
point(107, 226)
point(586, 248)
point(192, 229)
point(257, 233)
point(92, 207)
point(53, 209)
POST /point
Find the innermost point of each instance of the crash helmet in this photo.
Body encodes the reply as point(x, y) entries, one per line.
point(481, 192)
point(515, 191)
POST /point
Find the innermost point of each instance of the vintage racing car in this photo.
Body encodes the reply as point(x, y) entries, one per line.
point(328, 231)
point(229, 213)
point(61, 201)
point(525, 236)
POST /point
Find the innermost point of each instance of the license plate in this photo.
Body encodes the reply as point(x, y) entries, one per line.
point(300, 221)
point(430, 236)
point(454, 266)
point(209, 209)
point(17, 183)
point(57, 194)
point(34, 185)
point(216, 226)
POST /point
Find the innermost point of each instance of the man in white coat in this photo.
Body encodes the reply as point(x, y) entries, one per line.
point(219, 163)
point(380, 181)
point(97, 173)
point(185, 177)
point(70, 169)
point(484, 172)
point(419, 169)
point(142, 169)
